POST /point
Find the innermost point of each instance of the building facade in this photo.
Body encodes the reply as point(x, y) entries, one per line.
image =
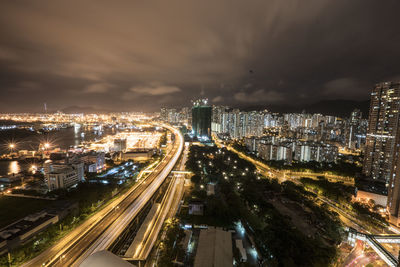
point(319, 152)
point(201, 119)
point(63, 174)
point(382, 131)
point(381, 160)
point(62, 178)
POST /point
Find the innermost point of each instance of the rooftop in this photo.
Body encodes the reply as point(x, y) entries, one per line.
point(214, 249)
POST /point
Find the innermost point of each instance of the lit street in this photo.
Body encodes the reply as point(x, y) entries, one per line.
point(104, 227)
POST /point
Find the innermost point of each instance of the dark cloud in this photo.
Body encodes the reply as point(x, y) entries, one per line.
point(140, 55)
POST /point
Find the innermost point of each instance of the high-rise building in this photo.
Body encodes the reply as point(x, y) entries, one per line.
point(164, 114)
point(201, 119)
point(355, 116)
point(381, 160)
point(382, 131)
point(354, 130)
point(319, 152)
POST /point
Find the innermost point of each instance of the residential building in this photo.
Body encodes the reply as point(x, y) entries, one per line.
point(314, 151)
point(382, 149)
point(280, 152)
point(382, 133)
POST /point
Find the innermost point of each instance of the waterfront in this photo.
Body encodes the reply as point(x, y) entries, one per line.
point(9, 167)
point(63, 139)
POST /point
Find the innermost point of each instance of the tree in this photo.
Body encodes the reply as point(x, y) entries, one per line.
point(195, 179)
point(171, 246)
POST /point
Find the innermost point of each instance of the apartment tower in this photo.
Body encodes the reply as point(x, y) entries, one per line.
point(381, 160)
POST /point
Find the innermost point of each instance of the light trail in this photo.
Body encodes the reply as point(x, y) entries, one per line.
point(92, 230)
point(111, 234)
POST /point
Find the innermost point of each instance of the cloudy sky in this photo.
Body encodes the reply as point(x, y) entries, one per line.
point(141, 55)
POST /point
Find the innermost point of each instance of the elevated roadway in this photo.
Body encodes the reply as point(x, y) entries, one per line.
point(143, 244)
point(99, 231)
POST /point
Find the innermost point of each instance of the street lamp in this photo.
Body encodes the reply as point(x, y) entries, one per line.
point(33, 168)
point(11, 146)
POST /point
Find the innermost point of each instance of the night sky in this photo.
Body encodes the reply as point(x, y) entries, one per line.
point(141, 55)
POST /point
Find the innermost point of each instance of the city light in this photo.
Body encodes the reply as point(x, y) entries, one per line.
point(33, 168)
point(229, 134)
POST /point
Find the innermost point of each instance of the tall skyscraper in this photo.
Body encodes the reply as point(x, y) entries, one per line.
point(201, 119)
point(355, 116)
point(381, 160)
point(353, 128)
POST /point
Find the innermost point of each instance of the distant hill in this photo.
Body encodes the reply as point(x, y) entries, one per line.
point(338, 107)
point(86, 110)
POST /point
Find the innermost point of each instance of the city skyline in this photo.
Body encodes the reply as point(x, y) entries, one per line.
point(199, 133)
point(140, 57)
point(242, 161)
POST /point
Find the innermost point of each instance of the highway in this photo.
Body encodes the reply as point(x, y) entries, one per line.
point(102, 229)
point(167, 208)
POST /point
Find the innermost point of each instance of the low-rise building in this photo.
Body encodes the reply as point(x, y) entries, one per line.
point(62, 178)
point(11, 178)
point(138, 154)
point(196, 208)
point(22, 231)
point(104, 258)
point(210, 189)
point(63, 173)
point(94, 161)
point(214, 248)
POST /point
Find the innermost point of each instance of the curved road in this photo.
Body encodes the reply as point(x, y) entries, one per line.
point(102, 229)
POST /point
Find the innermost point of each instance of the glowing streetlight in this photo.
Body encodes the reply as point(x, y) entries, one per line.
point(33, 168)
point(11, 146)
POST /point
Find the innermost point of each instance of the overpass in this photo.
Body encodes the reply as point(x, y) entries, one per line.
point(375, 242)
point(100, 230)
point(172, 172)
point(105, 240)
point(148, 233)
